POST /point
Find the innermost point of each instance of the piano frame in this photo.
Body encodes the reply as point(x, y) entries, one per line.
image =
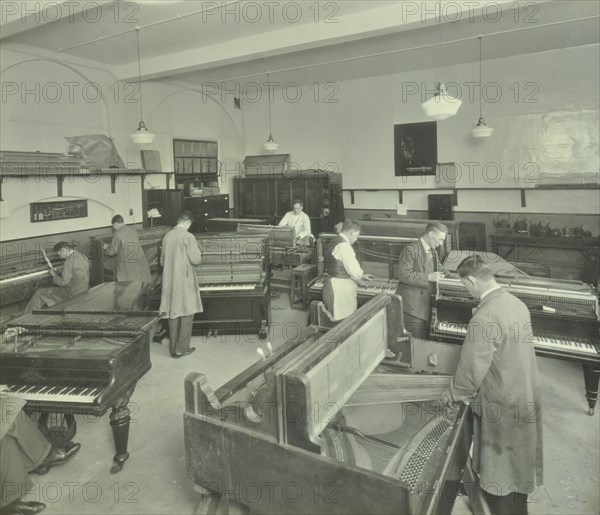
point(274, 462)
point(244, 311)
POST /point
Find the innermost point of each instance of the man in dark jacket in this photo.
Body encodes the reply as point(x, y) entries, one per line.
point(497, 374)
point(131, 262)
point(73, 280)
point(418, 271)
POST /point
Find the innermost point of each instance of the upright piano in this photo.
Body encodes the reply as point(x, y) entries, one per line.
point(317, 427)
point(23, 272)
point(281, 244)
point(564, 315)
point(233, 282)
point(103, 266)
point(377, 255)
point(81, 358)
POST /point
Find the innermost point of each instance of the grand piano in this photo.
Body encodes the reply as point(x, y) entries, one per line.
point(81, 357)
point(564, 314)
point(233, 283)
point(317, 427)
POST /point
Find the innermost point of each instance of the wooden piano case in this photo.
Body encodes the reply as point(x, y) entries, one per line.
point(313, 429)
point(22, 273)
point(84, 356)
point(233, 283)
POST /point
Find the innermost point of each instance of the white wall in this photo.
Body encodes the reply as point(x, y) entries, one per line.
point(46, 97)
point(546, 120)
point(346, 127)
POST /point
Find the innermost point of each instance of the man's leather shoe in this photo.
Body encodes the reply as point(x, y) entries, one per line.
point(23, 508)
point(56, 456)
point(186, 353)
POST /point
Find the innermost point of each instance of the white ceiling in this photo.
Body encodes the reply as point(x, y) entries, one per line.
point(302, 41)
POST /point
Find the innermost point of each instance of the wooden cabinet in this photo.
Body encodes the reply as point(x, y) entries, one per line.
point(169, 204)
point(270, 197)
point(203, 208)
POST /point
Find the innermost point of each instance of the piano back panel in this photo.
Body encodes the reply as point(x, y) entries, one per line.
point(255, 470)
point(315, 387)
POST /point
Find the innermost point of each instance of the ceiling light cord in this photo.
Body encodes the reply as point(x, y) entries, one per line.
point(480, 82)
point(269, 103)
point(139, 71)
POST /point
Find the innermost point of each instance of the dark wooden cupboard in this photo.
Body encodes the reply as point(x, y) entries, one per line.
point(203, 208)
point(270, 197)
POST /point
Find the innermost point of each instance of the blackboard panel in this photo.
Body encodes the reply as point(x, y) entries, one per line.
point(59, 210)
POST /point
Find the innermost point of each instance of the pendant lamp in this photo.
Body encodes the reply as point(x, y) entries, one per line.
point(481, 130)
point(270, 145)
point(142, 136)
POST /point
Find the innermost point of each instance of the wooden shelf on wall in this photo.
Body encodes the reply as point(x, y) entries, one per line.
point(60, 175)
point(456, 190)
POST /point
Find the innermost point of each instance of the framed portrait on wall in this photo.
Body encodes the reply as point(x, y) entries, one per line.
point(415, 149)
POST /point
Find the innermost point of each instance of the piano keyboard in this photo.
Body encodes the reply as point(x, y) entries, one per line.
point(227, 287)
point(61, 393)
point(372, 288)
point(21, 277)
point(539, 341)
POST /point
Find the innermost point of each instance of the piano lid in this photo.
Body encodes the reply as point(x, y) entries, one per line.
point(498, 265)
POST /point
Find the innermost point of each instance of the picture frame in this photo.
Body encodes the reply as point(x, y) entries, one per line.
point(151, 161)
point(415, 149)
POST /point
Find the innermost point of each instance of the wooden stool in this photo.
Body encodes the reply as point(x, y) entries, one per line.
point(301, 276)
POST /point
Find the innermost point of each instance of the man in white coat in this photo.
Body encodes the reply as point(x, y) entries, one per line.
point(497, 373)
point(299, 221)
point(343, 272)
point(180, 297)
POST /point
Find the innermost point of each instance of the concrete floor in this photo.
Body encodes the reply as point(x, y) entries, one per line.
point(154, 479)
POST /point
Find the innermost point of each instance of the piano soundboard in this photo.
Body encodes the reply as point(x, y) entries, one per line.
point(318, 412)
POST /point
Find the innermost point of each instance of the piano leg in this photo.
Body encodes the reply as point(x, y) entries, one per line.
point(591, 377)
point(58, 428)
point(119, 421)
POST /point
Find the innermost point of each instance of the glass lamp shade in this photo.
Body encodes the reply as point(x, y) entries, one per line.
point(142, 136)
point(441, 105)
point(270, 145)
point(481, 130)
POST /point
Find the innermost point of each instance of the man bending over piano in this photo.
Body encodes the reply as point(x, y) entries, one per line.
point(131, 262)
point(343, 272)
point(180, 297)
point(418, 271)
point(73, 280)
point(23, 449)
point(497, 372)
point(300, 222)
